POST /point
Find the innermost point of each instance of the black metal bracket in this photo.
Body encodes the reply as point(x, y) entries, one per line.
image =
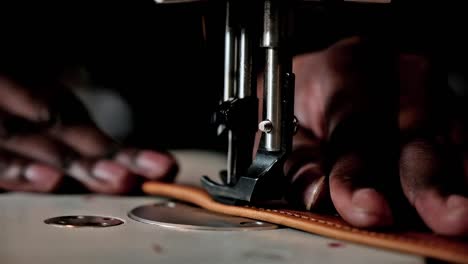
point(265, 179)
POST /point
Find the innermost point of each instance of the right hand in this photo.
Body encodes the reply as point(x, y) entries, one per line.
point(47, 134)
point(381, 137)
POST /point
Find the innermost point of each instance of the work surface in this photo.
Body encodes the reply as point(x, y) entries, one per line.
point(25, 238)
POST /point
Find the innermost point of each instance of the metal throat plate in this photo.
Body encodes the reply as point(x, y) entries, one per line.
point(183, 216)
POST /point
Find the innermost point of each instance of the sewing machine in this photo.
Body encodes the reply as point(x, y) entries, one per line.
point(251, 25)
point(257, 36)
point(258, 178)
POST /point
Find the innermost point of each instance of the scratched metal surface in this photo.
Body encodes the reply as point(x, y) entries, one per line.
point(24, 238)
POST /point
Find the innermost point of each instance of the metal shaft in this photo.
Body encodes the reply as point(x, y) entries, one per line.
point(231, 159)
point(230, 55)
point(272, 79)
point(230, 82)
point(245, 63)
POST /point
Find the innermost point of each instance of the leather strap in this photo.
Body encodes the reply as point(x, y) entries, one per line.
point(424, 244)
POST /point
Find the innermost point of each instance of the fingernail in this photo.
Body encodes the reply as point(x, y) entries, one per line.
point(370, 208)
point(152, 162)
point(310, 185)
point(36, 173)
point(314, 193)
point(44, 176)
point(108, 170)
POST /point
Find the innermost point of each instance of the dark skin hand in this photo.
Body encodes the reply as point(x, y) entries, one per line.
point(46, 135)
point(365, 135)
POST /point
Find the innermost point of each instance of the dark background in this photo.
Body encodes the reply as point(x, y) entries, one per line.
point(157, 58)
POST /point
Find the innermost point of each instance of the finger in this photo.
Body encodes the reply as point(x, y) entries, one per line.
point(17, 174)
point(70, 120)
point(40, 148)
point(90, 142)
point(102, 176)
point(355, 199)
point(430, 181)
point(330, 86)
point(150, 164)
point(78, 131)
point(352, 117)
point(87, 140)
point(308, 185)
point(22, 102)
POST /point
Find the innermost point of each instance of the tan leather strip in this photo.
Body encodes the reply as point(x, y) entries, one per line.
point(424, 244)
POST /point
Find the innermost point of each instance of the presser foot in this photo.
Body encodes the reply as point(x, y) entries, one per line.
point(264, 182)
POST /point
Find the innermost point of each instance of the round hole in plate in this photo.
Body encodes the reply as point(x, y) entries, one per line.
point(74, 221)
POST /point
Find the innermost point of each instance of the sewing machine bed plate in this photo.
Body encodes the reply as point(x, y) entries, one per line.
point(25, 238)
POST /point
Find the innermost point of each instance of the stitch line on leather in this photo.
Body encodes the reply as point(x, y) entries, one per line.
point(424, 244)
point(438, 244)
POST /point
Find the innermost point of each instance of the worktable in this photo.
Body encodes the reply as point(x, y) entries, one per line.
point(26, 239)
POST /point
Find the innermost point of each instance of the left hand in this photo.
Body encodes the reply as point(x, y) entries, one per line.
point(48, 135)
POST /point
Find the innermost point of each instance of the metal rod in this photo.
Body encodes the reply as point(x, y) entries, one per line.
point(271, 24)
point(272, 90)
point(229, 55)
point(272, 78)
point(245, 64)
point(231, 159)
point(230, 82)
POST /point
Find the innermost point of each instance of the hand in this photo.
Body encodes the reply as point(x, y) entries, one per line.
point(45, 135)
point(370, 132)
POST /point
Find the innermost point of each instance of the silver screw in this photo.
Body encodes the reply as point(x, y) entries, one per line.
point(295, 124)
point(265, 126)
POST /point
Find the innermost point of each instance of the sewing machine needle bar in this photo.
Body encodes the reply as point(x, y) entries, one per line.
point(230, 82)
point(230, 55)
point(231, 159)
point(245, 64)
point(272, 79)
